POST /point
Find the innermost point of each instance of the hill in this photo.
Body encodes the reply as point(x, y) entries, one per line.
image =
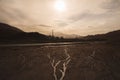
point(11, 34)
point(7, 31)
point(113, 36)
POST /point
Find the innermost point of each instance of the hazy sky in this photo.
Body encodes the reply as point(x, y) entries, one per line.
point(81, 17)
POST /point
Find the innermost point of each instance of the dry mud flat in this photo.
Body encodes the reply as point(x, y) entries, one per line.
point(94, 61)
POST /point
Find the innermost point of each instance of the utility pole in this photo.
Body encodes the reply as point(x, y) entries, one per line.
point(52, 33)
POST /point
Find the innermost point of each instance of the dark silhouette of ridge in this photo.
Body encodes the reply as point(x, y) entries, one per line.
point(7, 31)
point(33, 37)
point(113, 36)
point(10, 34)
point(4, 27)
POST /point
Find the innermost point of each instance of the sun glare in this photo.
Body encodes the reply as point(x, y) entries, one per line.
point(60, 5)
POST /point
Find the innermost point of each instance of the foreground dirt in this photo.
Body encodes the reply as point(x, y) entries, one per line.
point(93, 61)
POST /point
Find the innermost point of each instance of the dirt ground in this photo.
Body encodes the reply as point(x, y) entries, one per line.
point(93, 61)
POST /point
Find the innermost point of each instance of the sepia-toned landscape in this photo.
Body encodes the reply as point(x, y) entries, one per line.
point(59, 39)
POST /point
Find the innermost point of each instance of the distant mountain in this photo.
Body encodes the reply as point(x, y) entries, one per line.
point(33, 37)
point(10, 34)
point(70, 36)
point(110, 36)
point(8, 30)
point(115, 34)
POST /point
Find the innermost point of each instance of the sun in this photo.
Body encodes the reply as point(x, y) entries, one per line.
point(60, 5)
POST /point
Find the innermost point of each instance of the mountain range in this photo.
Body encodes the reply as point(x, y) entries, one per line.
point(11, 34)
point(113, 36)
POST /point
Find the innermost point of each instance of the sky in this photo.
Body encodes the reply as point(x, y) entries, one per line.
point(80, 17)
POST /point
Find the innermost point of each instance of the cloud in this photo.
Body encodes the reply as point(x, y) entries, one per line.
point(111, 9)
point(61, 23)
point(111, 5)
point(78, 17)
point(43, 25)
point(10, 14)
point(89, 16)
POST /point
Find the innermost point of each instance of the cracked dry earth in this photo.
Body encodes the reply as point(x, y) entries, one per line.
point(94, 61)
